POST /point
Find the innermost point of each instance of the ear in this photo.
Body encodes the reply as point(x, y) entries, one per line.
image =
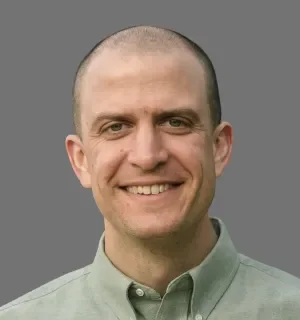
point(223, 139)
point(78, 160)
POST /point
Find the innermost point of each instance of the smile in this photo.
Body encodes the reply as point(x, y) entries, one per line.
point(150, 189)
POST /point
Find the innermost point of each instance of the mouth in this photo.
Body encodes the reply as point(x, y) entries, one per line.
point(149, 190)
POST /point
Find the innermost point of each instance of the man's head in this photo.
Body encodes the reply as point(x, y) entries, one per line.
point(150, 142)
point(149, 40)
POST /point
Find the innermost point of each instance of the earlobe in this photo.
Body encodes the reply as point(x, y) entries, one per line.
point(78, 160)
point(223, 147)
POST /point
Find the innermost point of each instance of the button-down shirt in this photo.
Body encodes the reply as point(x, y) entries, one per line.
point(225, 285)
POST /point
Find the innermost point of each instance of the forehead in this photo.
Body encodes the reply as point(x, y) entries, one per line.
point(118, 81)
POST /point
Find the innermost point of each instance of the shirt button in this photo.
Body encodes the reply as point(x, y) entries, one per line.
point(198, 317)
point(140, 293)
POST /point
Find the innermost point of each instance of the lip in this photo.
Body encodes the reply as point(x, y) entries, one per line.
point(149, 183)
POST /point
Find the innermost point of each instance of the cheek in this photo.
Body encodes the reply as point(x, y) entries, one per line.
point(105, 162)
point(194, 154)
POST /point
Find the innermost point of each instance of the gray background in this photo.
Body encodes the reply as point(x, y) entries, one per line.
point(49, 224)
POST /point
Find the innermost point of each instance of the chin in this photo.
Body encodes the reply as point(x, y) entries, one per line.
point(154, 230)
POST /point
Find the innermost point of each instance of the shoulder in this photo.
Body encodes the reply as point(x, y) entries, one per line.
point(260, 291)
point(48, 296)
point(272, 289)
point(271, 275)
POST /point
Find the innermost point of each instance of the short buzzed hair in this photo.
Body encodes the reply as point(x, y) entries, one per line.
point(146, 39)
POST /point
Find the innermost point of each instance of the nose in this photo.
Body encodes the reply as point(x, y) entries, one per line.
point(147, 152)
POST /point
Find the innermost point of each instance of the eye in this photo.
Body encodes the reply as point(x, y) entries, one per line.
point(116, 127)
point(177, 125)
point(175, 122)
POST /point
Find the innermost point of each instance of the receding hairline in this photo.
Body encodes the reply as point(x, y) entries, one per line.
point(138, 40)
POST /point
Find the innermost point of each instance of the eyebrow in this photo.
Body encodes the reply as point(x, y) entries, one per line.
point(158, 115)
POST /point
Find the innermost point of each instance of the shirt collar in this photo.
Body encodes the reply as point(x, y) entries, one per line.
point(211, 278)
point(215, 273)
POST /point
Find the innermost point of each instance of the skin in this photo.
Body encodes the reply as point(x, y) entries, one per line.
point(129, 137)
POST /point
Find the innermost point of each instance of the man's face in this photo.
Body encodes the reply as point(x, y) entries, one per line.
point(148, 151)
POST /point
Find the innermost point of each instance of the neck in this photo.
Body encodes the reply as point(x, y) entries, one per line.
point(156, 264)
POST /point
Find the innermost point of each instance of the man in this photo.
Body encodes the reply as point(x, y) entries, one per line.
point(150, 144)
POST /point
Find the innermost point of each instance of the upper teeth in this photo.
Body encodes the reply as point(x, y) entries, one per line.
point(154, 189)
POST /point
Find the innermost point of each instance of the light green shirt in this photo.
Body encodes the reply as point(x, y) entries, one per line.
point(225, 286)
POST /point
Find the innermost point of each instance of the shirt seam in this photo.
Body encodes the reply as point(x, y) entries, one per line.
point(270, 275)
point(44, 295)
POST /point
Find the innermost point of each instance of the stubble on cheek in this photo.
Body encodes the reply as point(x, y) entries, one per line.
point(105, 167)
